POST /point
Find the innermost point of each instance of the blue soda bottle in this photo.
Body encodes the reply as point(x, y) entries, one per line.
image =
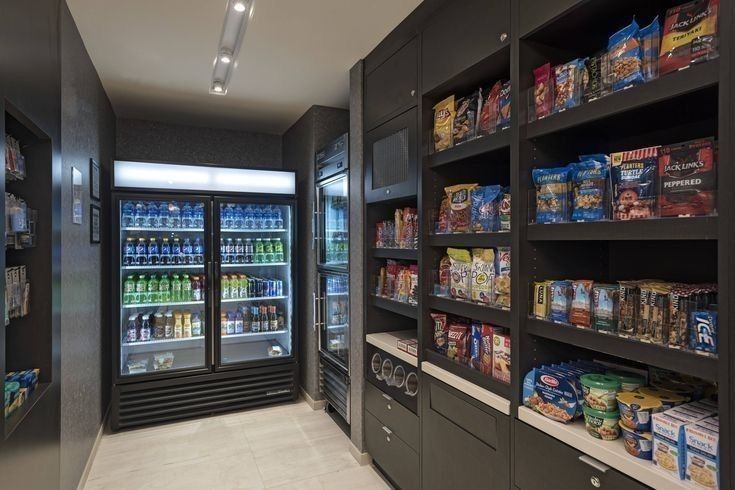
point(165, 252)
point(128, 215)
point(248, 223)
point(153, 258)
point(277, 218)
point(268, 218)
point(258, 218)
point(187, 216)
point(198, 251)
point(141, 252)
point(228, 218)
point(176, 251)
point(152, 215)
point(129, 252)
point(164, 218)
point(188, 249)
point(175, 215)
point(199, 215)
point(141, 215)
point(238, 217)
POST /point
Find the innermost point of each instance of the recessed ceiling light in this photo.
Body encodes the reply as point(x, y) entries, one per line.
point(225, 57)
point(238, 15)
point(239, 6)
point(217, 87)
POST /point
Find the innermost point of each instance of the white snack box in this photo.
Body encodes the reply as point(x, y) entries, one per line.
point(669, 444)
point(703, 454)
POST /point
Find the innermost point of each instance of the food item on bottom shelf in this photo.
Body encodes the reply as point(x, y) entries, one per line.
point(568, 85)
point(668, 399)
point(137, 366)
point(589, 189)
point(669, 437)
point(458, 345)
point(504, 212)
point(501, 357)
point(637, 443)
point(560, 298)
point(482, 275)
point(465, 119)
point(580, 313)
point(702, 464)
point(629, 381)
point(687, 178)
point(484, 209)
point(602, 425)
point(444, 113)
point(163, 360)
point(460, 268)
point(690, 35)
point(600, 391)
point(487, 349)
point(636, 410)
point(542, 92)
point(502, 277)
point(626, 57)
point(650, 46)
point(634, 183)
point(552, 194)
point(605, 307)
point(551, 394)
point(460, 207)
point(489, 114)
point(504, 106)
point(441, 331)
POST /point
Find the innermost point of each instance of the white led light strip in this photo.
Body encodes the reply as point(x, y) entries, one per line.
point(167, 176)
point(238, 14)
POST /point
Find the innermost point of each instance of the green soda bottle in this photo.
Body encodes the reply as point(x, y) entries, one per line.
point(185, 288)
point(267, 250)
point(259, 254)
point(152, 292)
point(164, 289)
point(278, 250)
point(129, 291)
point(140, 289)
point(176, 289)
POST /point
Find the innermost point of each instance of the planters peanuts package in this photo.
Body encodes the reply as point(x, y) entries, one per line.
point(485, 206)
point(626, 57)
point(552, 194)
point(589, 190)
point(550, 394)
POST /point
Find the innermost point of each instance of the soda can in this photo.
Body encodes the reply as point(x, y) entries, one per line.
point(259, 287)
point(279, 286)
point(251, 287)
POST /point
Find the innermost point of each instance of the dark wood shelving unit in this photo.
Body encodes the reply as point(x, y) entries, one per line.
point(396, 253)
point(394, 306)
point(481, 146)
point(473, 311)
point(14, 420)
point(681, 361)
point(695, 228)
point(466, 372)
point(500, 239)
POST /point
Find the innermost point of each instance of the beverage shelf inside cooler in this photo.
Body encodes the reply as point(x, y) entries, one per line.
point(337, 294)
point(173, 230)
point(169, 303)
point(160, 267)
point(182, 340)
point(337, 327)
point(234, 353)
point(262, 230)
point(242, 300)
point(252, 334)
point(267, 264)
point(192, 358)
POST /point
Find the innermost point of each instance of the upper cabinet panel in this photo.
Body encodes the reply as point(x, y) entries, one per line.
point(393, 86)
point(459, 35)
point(534, 14)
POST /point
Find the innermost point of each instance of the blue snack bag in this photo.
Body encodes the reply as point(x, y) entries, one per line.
point(552, 194)
point(485, 206)
point(589, 190)
point(626, 57)
point(650, 45)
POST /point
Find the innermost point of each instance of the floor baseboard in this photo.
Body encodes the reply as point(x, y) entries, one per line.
point(363, 459)
point(314, 404)
point(93, 452)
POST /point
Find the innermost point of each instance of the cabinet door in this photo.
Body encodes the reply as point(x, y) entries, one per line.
point(459, 35)
point(391, 453)
point(393, 86)
point(464, 443)
point(534, 14)
point(391, 159)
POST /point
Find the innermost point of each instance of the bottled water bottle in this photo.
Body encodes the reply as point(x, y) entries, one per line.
point(199, 216)
point(175, 215)
point(238, 217)
point(164, 218)
point(267, 218)
point(187, 216)
point(141, 215)
point(277, 218)
point(258, 218)
point(152, 215)
point(249, 223)
point(228, 218)
point(198, 252)
point(128, 215)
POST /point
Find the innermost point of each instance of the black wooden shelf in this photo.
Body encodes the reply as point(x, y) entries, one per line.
point(667, 87)
point(473, 311)
point(396, 253)
point(398, 307)
point(479, 146)
point(466, 372)
point(16, 418)
point(705, 367)
point(695, 228)
point(470, 239)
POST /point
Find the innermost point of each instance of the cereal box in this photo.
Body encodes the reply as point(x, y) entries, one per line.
point(703, 453)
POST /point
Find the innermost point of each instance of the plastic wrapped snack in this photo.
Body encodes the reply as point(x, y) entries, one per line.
point(568, 85)
point(634, 183)
point(552, 194)
point(502, 277)
point(650, 44)
point(485, 208)
point(460, 207)
point(690, 35)
point(483, 275)
point(626, 57)
point(589, 190)
point(543, 91)
point(444, 113)
point(465, 119)
point(461, 265)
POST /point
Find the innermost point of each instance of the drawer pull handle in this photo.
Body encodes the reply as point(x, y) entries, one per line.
point(595, 482)
point(589, 461)
point(387, 430)
point(388, 406)
point(387, 397)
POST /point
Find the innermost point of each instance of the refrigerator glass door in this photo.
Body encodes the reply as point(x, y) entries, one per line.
point(163, 285)
point(255, 290)
point(334, 336)
point(333, 222)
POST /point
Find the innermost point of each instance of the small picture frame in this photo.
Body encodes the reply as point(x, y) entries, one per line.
point(94, 223)
point(94, 179)
point(76, 192)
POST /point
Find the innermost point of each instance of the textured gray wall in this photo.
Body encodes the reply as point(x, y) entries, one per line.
point(317, 127)
point(161, 142)
point(357, 260)
point(87, 131)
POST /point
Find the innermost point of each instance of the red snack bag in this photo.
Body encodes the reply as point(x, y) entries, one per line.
point(687, 178)
point(458, 345)
point(690, 35)
point(486, 349)
point(543, 90)
point(490, 110)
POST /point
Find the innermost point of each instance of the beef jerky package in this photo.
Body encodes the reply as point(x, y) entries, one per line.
point(543, 91)
point(687, 178)
point(465, 120)
point(690, 35)
point(596, 77)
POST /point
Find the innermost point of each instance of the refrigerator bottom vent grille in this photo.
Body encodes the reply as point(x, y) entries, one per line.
point(204, 397)
point(334, 386)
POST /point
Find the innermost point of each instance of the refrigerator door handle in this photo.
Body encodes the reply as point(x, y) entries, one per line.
point(215, 289)
point(313, 311)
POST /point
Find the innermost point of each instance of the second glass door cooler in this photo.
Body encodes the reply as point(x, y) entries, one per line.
point(334, 334)
point(333, 212)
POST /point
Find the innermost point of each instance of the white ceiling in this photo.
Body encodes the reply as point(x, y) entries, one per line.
point(155, 57)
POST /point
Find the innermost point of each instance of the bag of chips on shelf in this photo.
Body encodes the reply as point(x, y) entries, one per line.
point(589, 190)
point(502, 277)
point(650, 43)
point(483, 275)
point(690, 35)
point(465, 119)
point(460, 207)
point(441, 330)
point(626, 57)
point(568, 85)
point(552, 194)
point(543, 91)
point(634, 183)
point(442, 222)
point(458, 345)
point(461, 265)
point(444, 113)
point(490, 110)
point(504, 103)
point(485, 204)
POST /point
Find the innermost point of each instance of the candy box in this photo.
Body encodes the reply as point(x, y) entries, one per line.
point(669, 444)
point(550, 394)
point(703, 453)
point(541, 299)
point(703, 331)
point(501, 357)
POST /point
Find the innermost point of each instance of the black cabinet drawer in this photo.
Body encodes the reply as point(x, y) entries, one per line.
point(464, 443)
point(459, 35)
point(391, 413)
point(534, 14)
point(391, 453)
point(393, 86)
point(542, 462)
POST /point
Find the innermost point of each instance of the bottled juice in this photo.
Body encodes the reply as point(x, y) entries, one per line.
point(176, 289)
point(140, 289)
point(238, 323)
point(178, 325)
point(152, 295)
point(132, 331)
point(243, 286)
point(272, 318)
point(225, 286)
point(164, 289)
point(169, 326)
point(129, 291)
point(223, 324)
point(259, 252)
point(267, 250)
point(145, 329)
point(196, 325)
point(160, 326)
point(187, 324)
point(234, 286)
point(185, 288)
point(255, 322)
point(230, 322)
point(278, 250)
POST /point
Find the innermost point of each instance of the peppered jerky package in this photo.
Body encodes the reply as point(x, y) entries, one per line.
point(687, 178)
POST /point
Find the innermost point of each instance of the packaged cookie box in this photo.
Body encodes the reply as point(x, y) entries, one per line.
point(703, 453)
point(501, 357)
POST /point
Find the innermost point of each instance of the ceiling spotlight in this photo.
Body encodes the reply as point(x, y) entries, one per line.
point(239, 6)
point(217, 87)
point(225, 57)
point(238, 15)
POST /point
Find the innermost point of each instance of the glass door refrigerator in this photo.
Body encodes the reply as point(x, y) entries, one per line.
point(332, 295)
point(203, 296)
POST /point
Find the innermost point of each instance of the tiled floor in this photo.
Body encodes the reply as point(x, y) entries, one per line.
point(286, 446)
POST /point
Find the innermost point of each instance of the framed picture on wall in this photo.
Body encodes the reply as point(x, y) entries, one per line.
point(94, 179)
point(76, 192)
point(94, 223)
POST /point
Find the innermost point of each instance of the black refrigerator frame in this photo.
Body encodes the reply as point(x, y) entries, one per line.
point(173, 395)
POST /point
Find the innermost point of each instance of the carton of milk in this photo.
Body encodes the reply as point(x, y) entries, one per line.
point(669, 443)
point(703, 453)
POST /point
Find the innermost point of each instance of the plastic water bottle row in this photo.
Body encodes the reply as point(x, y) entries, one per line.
point(140, 214)
point(250, 217)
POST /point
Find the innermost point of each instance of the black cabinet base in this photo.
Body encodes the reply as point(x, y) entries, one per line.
point(179, 398)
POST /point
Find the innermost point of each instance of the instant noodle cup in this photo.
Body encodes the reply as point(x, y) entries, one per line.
point(636, 410)
point(637, 443)
point(628, 381)
point(600, 392)
point(669, 399)
point(602, 425)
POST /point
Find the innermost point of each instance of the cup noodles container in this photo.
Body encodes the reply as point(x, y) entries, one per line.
point(703, 453)
point(669, 442)
point(501, 357)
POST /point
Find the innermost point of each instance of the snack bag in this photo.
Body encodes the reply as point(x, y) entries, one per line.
point(543, 89)
point(502, 277)
point(441, 331)
point(568, 85)
point(589, 186)
point(490, 110)
point(461, 265)
point(596, 78)
point(552, 194)
point(460, 209)
point(442, 222)
point(504, 211)
point(483, 275)
point(626, 57)
point(651, 42)
point(690, 35)
point(476, 345)
point(445, 273)
point(458, 346)
point(501, 356)
point(504, 106)
point(486, 350)
point(560, 295)
point(465, 119)
point(444, 124)
point(485, 203)
point(581, 311)
point(687, 178)
point(634, 183)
